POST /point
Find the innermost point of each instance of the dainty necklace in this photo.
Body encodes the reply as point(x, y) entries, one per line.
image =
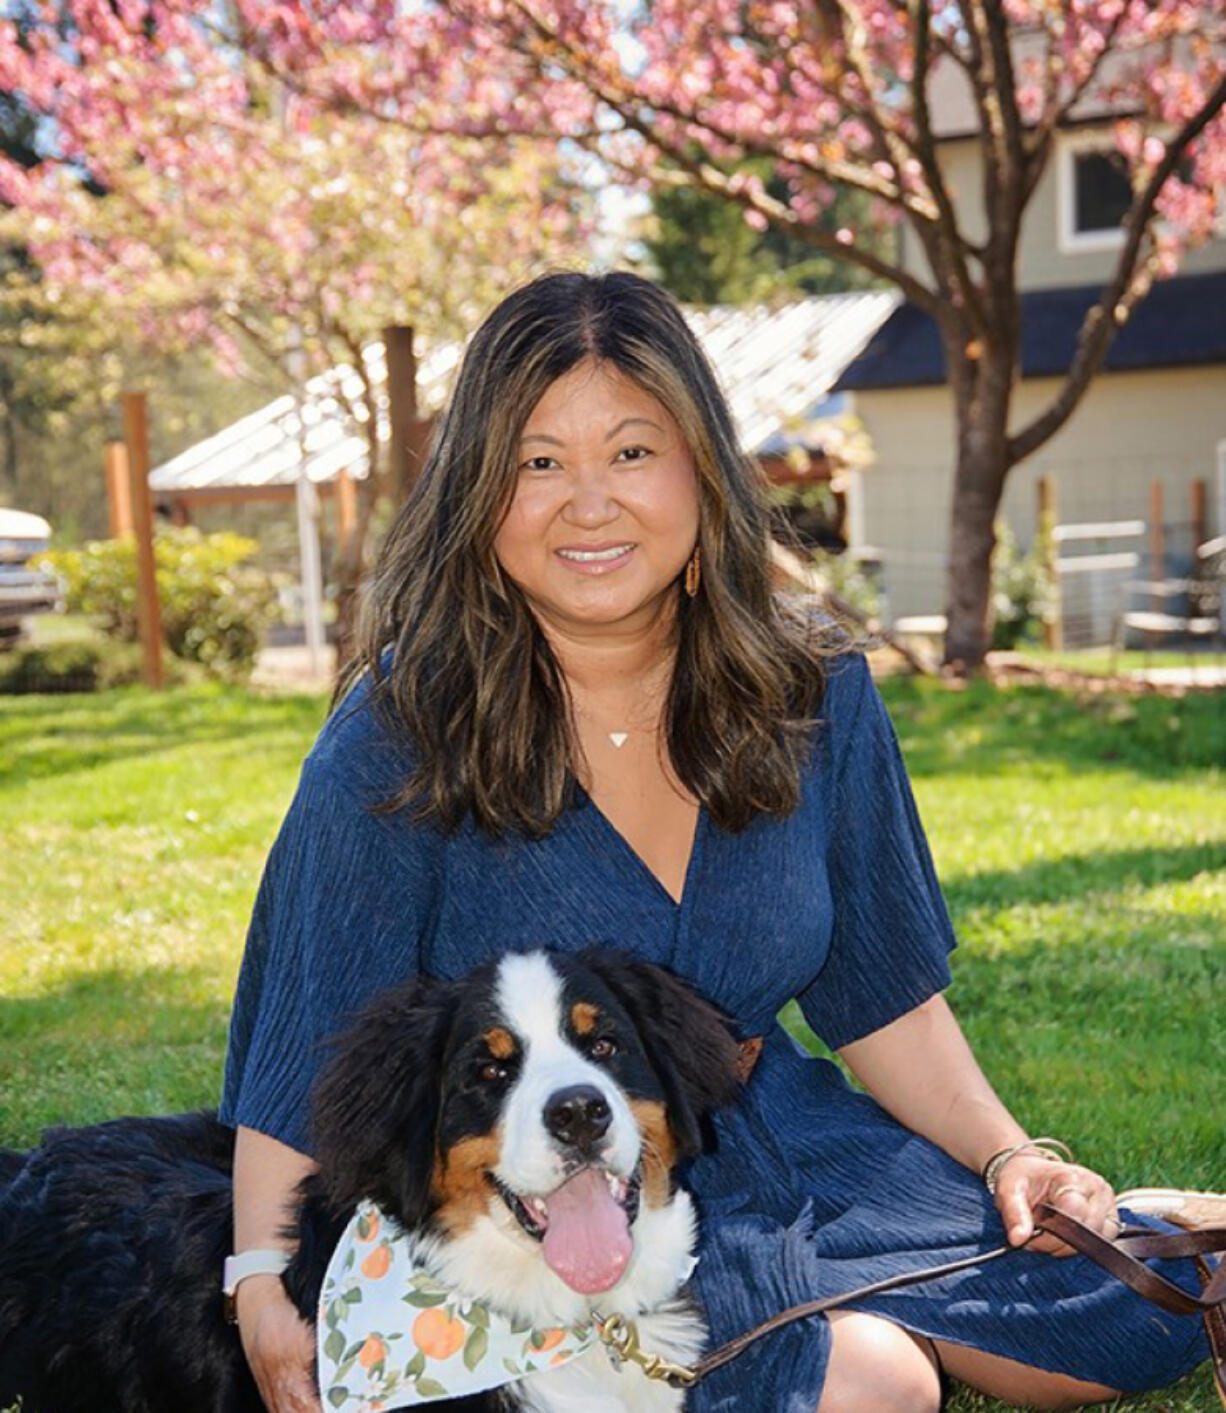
point(616, 738)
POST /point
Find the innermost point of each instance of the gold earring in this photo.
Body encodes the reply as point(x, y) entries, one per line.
point(693, 573)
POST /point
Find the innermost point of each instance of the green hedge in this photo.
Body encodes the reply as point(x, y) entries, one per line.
point(85, 666)
point(214, 604)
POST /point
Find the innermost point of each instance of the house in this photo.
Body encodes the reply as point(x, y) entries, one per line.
point(1155, 415)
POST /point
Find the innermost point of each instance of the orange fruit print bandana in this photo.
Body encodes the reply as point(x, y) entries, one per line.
point(391, 1336)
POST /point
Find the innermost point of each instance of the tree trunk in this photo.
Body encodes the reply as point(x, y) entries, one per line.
point(351, 560)
point(404, 451)
point(346, 625)
point(982, 389)
point(977, 490)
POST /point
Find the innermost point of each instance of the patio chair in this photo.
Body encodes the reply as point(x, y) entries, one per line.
point(1193, 607)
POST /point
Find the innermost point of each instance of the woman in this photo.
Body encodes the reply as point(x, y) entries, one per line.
point(598, 725)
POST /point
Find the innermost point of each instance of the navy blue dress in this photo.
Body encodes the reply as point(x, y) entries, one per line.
point(812, 1188)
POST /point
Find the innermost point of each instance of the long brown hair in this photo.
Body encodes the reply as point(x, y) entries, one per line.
point(470, 678)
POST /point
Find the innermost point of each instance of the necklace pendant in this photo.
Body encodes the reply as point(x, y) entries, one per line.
point(619, 738)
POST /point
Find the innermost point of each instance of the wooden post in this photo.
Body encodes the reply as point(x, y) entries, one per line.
point(1157, 543)
point(402, 409)
point(1053, 619)
point(1200, 513)
point(136, 434)
point(118, 490)
point(423, 430)
point(346, 509)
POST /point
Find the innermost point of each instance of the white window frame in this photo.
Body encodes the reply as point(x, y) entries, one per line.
point(1072, 241)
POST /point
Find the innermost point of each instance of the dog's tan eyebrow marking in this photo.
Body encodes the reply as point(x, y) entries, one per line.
point(583, 1017)
point(500, 1042)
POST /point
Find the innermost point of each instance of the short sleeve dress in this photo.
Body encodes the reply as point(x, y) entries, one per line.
point(810, 1188)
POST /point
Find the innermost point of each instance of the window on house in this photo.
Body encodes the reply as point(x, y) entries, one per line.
point(1101, 192)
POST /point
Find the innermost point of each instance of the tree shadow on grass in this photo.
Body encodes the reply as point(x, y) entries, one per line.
point(107, 1044)
point(1134, 984)
point(986, 730)
point(43, 738)
point(1114, 1043)
point(1078, 875)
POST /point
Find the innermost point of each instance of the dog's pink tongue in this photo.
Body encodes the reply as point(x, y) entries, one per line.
point(587, 1243)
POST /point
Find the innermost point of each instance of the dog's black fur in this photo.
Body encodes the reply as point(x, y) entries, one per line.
point(112, 1238)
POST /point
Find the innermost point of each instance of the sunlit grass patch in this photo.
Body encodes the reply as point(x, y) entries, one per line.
point(1081, 844)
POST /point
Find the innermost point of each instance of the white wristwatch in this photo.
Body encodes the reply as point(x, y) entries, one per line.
point(259, 1261)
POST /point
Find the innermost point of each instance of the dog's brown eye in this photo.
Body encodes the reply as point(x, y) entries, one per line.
point(603, 1049)
point(492, 1072)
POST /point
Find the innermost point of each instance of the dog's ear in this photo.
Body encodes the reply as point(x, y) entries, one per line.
point(375, 1105)
point(689, 1042)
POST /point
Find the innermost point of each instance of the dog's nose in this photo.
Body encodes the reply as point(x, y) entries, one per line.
point(578, 1116)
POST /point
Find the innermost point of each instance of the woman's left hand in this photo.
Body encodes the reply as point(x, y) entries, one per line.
point(1026, 1180)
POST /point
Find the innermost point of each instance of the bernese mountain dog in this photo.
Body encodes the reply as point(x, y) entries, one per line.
point(520, 1129)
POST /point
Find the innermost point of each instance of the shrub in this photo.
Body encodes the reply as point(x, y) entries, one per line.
point(848, 580)
point(1020, 591)
point(214, 604)
point(70, 667)
point(85, 665)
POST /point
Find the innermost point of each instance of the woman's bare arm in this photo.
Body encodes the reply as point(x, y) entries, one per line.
point(279, 1344)
point(921, 1070)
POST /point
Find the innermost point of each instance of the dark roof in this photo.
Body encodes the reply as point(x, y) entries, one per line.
point(1180, 322)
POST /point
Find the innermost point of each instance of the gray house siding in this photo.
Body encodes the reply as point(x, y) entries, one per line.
point(1132, 429)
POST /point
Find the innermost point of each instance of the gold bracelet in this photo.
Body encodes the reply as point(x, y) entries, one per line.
point(1050, 1149)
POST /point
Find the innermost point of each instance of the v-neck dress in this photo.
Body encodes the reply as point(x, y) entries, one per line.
point(810, 1188)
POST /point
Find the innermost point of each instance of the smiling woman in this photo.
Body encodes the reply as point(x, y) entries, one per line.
point(585, 460)
point(603, 520)
point(581, 719)
point(604, 516)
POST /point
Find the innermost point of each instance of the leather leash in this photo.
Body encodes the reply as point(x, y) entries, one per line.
point(1121, 1258)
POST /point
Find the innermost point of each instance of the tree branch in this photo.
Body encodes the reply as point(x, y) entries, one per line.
point(1056, 111)
point(887, 140)
point(778, 213)
point(629, 105)
point(1001, 138)
point(946, 248)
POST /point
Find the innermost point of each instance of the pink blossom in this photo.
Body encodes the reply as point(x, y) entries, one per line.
point(233, 184)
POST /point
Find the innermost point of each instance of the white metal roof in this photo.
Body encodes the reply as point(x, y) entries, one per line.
point(775, 366)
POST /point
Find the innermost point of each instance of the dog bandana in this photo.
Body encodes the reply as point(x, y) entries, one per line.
point(391, 1336)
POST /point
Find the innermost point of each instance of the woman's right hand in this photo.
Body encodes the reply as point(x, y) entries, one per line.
point(279, 1345)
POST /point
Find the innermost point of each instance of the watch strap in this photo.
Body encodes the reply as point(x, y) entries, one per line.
point(259, 1261)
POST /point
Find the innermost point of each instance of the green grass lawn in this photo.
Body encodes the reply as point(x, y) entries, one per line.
point(1082, 845)
point(1102, 661)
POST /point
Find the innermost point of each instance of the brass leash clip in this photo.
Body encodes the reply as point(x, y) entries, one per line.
point(621, 1337)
